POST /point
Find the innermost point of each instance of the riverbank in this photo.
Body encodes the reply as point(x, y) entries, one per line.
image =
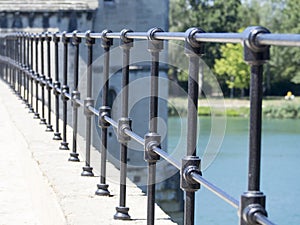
point(273, 107)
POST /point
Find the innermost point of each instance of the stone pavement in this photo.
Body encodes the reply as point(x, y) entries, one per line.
point(39, 186)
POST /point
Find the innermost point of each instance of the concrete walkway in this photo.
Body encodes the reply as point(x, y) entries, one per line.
point(39, 186)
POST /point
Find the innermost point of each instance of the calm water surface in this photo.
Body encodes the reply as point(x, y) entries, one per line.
point(280, 176)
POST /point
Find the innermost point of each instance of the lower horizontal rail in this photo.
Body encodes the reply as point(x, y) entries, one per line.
point(93, 110)
point(262, 219)
point(217, 191)
point(134, 136)
point(80, 102)
point(167, 157)
point(111, 121)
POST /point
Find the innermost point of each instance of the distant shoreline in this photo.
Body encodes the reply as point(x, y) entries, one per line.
point(273, 107)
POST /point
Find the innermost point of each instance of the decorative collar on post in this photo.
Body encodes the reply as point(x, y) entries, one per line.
point(154, 45)
point(75, 40)
point(48, 37)
point(192, 46)
point(64, 38)
point(41, 37)
point(55, 38)
point(36, 37)
point(254, 53)
point(125, 42)
point(106, 42)
point(89, 41)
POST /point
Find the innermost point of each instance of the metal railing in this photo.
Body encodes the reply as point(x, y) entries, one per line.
point(18, 51)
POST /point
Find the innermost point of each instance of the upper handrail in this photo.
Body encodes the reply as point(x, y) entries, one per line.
point(276, 39)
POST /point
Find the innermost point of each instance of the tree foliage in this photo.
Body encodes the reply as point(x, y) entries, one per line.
point(233, 66)
point(279, 16)
point(209, 15)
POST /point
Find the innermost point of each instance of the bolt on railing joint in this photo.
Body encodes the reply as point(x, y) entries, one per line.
point(75, 39)
point(252, 202)
point(124, 124)
point(64, 90)
point(41, 37)
point(106, 42)
point(56, 85)
point(250, 212)
point(75, 95)
point(152, 140)
point(88, 102)
point(192, 46)
point(104, 111)
point(48, 37)
point(254, 53)
point(125, 42)
point(65, 40)
point(154, 45)
point(48, 81)
point(89, 41)
point(190, 164)
point(55, 38)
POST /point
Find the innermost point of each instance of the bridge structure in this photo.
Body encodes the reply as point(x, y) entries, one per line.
point(33, 82)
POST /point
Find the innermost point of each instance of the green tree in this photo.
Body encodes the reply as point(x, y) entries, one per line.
point(233, 67)
point(279, 16)
point(211, 16)
point(289, 58)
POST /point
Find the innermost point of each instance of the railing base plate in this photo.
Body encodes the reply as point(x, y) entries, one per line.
point(64, 146)
point(87, 171)
point(57, 136)
point(74, 157)
point(102, 190)
point(122, 213)
point(49, 128)
point(43, 121)
point(36, 116)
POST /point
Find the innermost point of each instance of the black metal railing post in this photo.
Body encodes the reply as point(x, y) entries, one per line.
point(7, 46)
point(1, 63)
point(253, 201)
point(56, 84)
point(87, 169)
point(42, 77)
point(49, 80)
point(75, 96)
point(21, 66)
point(104, 110)
point(24, 67)
point(36, 78)
point(152, 139)
point(27, 38)
point(18, 61)
point(7, 54)
point(65, 90)
point(191, 163)
point(12, 57)
point(14, 52)
point(124, 123)
point(3, 53)
point(31, 71)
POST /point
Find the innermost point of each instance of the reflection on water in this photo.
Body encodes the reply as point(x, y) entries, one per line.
point(280, 168)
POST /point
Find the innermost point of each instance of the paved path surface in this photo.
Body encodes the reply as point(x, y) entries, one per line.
point(39, 186)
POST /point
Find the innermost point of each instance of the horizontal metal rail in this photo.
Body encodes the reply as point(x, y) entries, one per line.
point(217, 191)
point(261, 39)
point(262, 219)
